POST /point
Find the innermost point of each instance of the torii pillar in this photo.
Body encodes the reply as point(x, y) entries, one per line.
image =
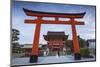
point(35, 48)
point(77, 55)
point(39, 21)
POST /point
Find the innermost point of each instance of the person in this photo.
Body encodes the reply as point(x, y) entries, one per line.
point(44, 53)
point(58, 53)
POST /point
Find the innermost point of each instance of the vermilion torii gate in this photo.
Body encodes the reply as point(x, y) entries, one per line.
point(39, 21)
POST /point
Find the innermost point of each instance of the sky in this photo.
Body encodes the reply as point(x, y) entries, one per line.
point(86, 31)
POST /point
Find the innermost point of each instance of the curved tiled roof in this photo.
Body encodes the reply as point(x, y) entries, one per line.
point(55, 35)
point(52, 14)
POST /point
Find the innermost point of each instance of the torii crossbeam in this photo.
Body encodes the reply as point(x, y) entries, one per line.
point(39, 21)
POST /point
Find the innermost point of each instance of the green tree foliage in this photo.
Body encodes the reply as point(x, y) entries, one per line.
point(84, 52)
point(15, 43)
point(82, 42)
point(15, 34)
point(69, 44)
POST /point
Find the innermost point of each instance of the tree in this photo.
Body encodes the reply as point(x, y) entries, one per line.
point(82, 42)
point(69, 45)
point(15, 43)
point(15, 34)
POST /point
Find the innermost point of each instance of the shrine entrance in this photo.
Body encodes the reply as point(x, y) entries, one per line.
point(39, 21)
point(56, 42)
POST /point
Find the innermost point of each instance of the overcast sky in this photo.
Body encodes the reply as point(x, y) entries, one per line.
point(86, 31)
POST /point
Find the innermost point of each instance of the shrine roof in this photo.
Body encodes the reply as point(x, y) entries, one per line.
point(55, 35)
point(52, 14)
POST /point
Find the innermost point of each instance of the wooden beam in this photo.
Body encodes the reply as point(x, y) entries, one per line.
point(30, 21)
point(79, 23)
point(53, 22)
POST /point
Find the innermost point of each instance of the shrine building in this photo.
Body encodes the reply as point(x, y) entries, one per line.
point(56, 41)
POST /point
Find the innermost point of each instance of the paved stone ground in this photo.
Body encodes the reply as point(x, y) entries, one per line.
point(48, 59)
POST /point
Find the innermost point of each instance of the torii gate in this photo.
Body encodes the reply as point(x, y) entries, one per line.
point(39, 21)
